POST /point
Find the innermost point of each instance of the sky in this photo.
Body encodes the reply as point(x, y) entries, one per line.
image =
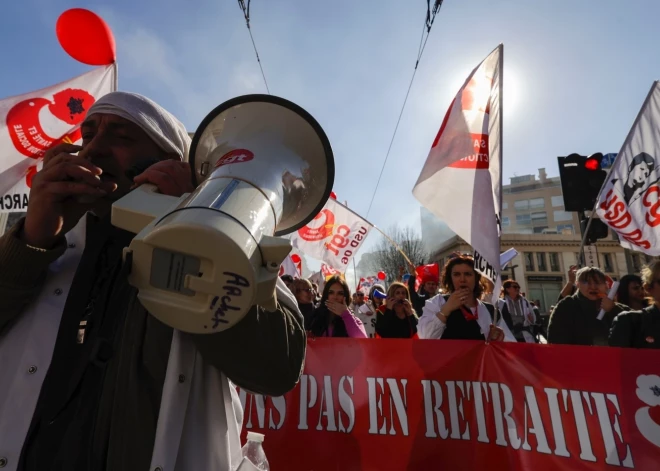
point(575, 73)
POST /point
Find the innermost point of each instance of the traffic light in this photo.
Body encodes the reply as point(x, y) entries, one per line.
point(581, 180)
point(597, 230)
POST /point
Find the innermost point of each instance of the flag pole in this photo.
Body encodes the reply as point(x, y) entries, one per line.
point(396, 246)
point(354, 272)
point(501, 158)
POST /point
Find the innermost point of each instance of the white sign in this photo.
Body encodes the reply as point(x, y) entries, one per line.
point(591, 256)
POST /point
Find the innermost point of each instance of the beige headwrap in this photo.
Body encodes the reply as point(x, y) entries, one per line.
point(159, 124)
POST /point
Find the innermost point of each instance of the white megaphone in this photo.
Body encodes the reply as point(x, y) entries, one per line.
point(263, 167)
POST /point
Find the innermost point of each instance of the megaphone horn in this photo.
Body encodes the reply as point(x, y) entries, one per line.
point(263, 167)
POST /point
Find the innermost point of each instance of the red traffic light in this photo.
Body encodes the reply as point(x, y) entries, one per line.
point(592, 163)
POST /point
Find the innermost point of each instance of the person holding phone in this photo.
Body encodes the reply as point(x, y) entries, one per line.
point(396, 318)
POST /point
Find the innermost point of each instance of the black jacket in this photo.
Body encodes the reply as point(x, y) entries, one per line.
point(636, 329)
point(574, 322)
point(418, 300)
point(389, 325)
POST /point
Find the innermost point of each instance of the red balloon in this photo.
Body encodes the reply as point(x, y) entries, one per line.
point(86, 37)
point(333, 195)
point(381, 275)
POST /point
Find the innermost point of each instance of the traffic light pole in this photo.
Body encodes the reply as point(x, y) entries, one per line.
point(585, 234)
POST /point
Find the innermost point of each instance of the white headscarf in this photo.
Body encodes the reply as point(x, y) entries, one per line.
point(159, 124)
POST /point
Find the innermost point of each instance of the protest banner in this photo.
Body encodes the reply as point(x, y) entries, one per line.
point(443, 404)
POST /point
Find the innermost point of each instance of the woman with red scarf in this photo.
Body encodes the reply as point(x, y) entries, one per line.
point(460, 314)
point(396, 318)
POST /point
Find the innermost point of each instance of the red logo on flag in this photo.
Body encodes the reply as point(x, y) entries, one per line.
point(235, 156)
point(33, 130)
point(319, 232)
point(480, 158)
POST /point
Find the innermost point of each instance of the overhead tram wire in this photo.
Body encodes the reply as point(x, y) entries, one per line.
point(246, 14)
point(426, 31)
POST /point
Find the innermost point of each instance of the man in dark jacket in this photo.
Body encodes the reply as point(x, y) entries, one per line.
point(106, 358)
point(428, 289)
point(574, 320)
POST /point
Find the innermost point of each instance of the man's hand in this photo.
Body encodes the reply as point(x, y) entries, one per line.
point(172, 177)
point(54, 208)
point(607, 304)
point(571, 273)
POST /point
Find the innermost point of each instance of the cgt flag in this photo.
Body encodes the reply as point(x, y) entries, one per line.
point(333, 236)
point(32, 123)
point(629, 201)
point(461, 179)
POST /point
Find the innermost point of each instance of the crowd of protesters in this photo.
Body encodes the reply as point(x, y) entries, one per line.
point(456, 305)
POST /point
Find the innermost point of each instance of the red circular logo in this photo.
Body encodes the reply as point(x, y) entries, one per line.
point(319, 232)
point(235, 156)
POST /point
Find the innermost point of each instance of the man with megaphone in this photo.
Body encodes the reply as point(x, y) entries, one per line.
point(93, 380)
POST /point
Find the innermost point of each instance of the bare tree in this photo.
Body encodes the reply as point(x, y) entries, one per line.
point(387, 257)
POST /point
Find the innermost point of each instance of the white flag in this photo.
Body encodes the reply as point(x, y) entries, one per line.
point(629, 201)
point(292, 265)
point(461, 179)
point(333, 236)
point(32, 123)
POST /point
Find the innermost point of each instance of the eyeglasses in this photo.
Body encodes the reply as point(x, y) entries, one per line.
point(308, 290)
point(360, 295)
point(515, 286)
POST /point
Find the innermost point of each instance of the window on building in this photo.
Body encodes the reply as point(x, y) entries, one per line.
point(540, 229)
point(637, 262)
point(557, 201)
point(523, 219)
point(506, 221)
point(537, 203)
point(562, 216)
point(540, 217)
point(607, 262)
point(554, 261)
point(565, 229)
point(505, 205)
point(521, 205)
point(529, 261)
point(540, 261)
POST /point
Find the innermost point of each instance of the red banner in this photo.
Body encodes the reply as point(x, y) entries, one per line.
point(442, 404)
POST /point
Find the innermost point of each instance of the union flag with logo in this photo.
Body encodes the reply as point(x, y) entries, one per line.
point(461, 179)
point(34, 122)
point(292, 265)
point(333, 236)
